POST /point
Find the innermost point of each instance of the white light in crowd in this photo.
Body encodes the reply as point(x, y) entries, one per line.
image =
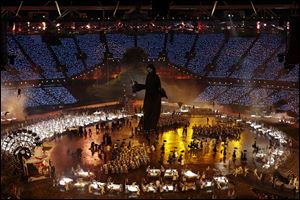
point(288, 25)
point(265, 24)
point(14, 27)
point(58, 24)
point(258, 25)
point(88, 26)
point(44, 25)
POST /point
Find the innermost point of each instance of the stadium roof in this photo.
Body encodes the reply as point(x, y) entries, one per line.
point(117, 9)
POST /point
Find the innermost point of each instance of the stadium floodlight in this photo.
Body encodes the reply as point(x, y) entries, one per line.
point(213, 10)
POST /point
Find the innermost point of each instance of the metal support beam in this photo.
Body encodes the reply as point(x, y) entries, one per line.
point(253, 14)
point(213, 10)
point(103, 12)
point(57, 7)
point(116, 8)
point(274, 14)
point(65, 12)
point(4, 12)
point(148, 7)
point(253, 7)
point(46, 3)
point(19, 8)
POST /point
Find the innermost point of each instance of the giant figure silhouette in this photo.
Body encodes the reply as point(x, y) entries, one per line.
point(152, 100)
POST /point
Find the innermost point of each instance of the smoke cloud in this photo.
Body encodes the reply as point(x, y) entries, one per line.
point(12, 103)
point(184, 91)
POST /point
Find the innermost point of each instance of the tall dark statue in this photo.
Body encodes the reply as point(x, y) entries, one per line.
point(152, 100)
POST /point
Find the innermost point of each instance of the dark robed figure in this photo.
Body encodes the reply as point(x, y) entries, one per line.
point(152, 100)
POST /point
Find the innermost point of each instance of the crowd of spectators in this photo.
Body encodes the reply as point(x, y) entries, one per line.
point(206, 48)
point(210, 93)
point(8, 94)
point(6, 76)
point(292, 75)
point(90, 44)
point(292, 105)
point(178, 47)
point(294, 102)
point(232, 94)
point(254, 97)
point(261, 50)
point(62, 94)
point(230, 55)
point(37, 96)
point(247, 95)
point(276, 96)
point(152, 43)
point(66, 53)
point(118, 44)
point(39, 53)
point(273, 67)
point(20, 62)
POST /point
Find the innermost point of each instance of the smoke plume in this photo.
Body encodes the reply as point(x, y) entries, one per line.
point(12, 103)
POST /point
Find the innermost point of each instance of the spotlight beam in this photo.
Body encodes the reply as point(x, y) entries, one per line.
point(19, 8)
point(57, 7)
point(213, 10)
